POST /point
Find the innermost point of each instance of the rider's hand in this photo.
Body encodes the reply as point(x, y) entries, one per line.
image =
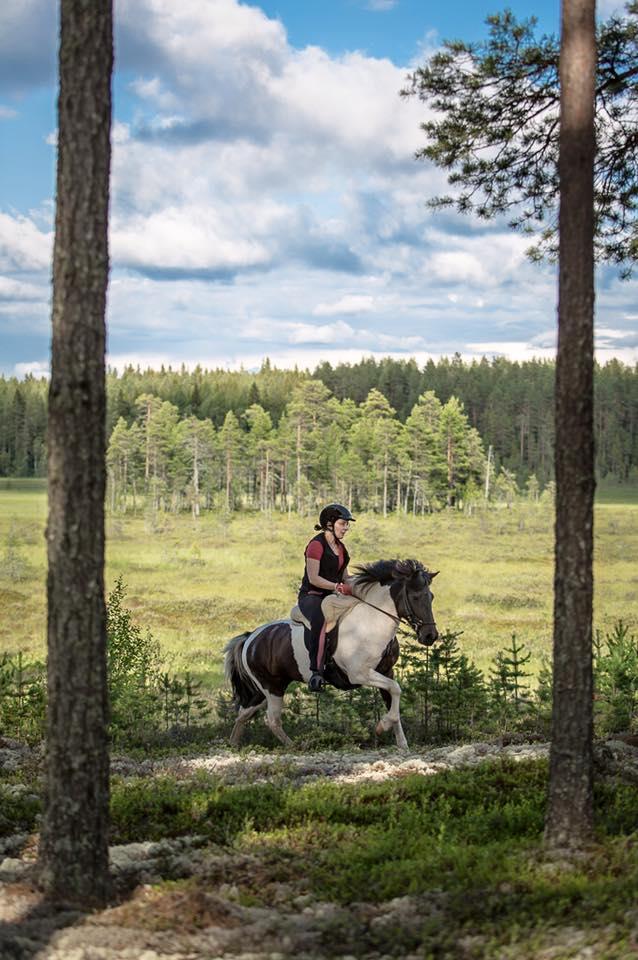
point(345, 589)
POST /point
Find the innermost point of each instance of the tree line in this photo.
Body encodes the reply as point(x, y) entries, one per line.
point(321, 448)
point(509, 404)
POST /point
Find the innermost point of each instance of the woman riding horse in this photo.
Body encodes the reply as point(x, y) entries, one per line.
point(260, 665)
point(325, 571)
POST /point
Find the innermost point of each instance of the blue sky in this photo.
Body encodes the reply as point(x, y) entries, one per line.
point(265, 200)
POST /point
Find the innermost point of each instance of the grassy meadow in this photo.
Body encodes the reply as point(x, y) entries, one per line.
point(194, 585)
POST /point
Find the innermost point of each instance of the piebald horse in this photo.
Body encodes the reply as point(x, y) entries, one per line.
point(261, 665)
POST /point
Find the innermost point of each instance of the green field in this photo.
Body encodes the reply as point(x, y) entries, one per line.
point(194, 585)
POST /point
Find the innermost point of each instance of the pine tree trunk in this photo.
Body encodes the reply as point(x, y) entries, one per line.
point(298, 451)
point(570, 809)
point(385, 485)
point(74, 851)
point(196, 480)
point(267, 483)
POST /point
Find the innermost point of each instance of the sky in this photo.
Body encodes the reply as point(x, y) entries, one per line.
point(265, 199)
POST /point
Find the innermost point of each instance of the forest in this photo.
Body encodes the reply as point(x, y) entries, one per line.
point(382, 435)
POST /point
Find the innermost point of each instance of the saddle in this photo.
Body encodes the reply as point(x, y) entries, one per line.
point(334, 607)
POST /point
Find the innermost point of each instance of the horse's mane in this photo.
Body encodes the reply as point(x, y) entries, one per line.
point(386, 571)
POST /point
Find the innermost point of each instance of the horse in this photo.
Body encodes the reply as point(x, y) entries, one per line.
point(260, 665)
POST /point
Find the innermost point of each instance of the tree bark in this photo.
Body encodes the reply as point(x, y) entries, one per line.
point(74, 843)
point(570, 808)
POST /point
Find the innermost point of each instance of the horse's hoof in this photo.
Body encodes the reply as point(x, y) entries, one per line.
point(380, 728)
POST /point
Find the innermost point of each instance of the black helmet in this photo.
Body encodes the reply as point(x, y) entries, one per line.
point(334, 511)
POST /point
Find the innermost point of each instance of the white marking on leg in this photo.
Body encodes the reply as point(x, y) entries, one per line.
point(391, 719)
point(273, 718)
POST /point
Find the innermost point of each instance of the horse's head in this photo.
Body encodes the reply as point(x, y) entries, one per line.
point(413, 598)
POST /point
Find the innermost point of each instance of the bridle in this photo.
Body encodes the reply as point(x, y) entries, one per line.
point(411, 619)
point(414, 622)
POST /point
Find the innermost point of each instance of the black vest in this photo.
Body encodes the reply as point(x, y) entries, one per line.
point(330, 567)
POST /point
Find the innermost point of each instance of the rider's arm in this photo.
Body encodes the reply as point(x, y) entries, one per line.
point(312, 569)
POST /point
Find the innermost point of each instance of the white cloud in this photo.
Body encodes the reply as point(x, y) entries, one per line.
point(34, 368)
point(256, 186)
point(295, 332)
point(187, 239)
point(381, 5)
point(7, 113)
point(329, 333)
point(23, 247)
point(350, 303)
point(608, 333)
point(515, 350)
point(17, 290)
point(484, 261)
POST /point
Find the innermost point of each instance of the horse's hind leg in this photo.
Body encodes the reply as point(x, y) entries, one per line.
point(273, 718)
point(245, 713)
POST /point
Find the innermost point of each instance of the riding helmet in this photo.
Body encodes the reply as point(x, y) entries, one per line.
point(334, 511)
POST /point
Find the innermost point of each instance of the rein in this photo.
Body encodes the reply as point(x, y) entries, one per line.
point(397, 620)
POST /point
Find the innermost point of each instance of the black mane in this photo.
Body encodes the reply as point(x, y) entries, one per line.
point(387, 571)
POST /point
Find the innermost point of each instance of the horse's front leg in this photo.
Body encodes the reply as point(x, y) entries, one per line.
point(391, 693)
point(273, 718)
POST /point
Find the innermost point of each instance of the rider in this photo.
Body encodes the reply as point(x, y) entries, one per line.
point(326, 567)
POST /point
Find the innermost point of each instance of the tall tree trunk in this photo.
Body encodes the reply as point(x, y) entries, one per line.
point(487, 472)
point(74, 850)
point(267, 482)
point(570, 808)
point(195, 479)
point(298, 453)
point(450, 469)
point(385, 484)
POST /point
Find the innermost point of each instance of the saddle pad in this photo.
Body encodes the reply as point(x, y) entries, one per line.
point(334, 607)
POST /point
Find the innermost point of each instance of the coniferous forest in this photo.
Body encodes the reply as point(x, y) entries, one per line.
point(381, 435)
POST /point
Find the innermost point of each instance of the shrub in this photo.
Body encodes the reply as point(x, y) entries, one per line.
point(616, 679)
point(22, 698)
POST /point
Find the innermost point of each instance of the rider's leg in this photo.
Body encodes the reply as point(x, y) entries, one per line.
point(310, 606)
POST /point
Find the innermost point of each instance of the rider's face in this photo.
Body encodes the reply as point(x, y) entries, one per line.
point(340, 528)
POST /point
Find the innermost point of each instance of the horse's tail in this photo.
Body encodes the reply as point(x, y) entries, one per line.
point(244, 687)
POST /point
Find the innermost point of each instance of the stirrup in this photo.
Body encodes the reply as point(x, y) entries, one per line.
point(316, 682)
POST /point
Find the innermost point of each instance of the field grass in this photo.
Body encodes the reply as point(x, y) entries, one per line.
point(194, 585)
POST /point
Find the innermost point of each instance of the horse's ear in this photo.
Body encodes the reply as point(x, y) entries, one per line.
point(434, 574)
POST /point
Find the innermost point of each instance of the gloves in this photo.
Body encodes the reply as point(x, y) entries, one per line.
point(345, 589)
